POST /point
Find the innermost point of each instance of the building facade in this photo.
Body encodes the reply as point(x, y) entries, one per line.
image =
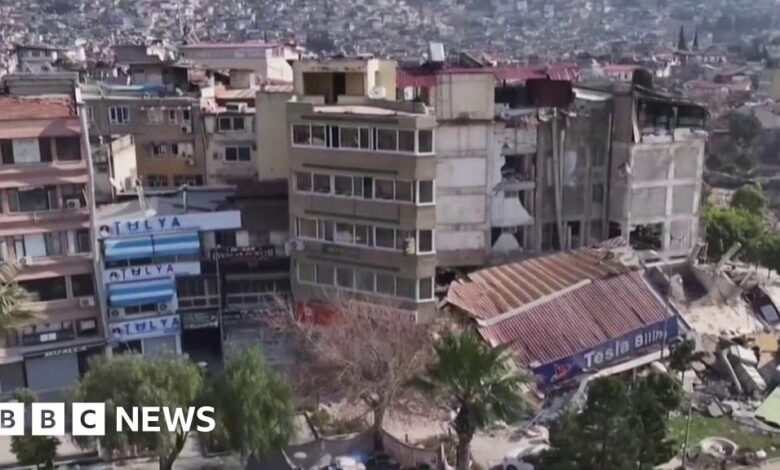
point(362, 191)
point(147, 255)
point(45, 230)
point(165, 128)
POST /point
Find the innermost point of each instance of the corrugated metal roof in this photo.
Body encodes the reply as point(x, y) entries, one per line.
point(578, 320)
point(493, 291)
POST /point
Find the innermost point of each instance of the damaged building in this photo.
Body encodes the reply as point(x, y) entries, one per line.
point(528, 162)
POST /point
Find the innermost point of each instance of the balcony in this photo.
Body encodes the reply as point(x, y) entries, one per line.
point(39, 174)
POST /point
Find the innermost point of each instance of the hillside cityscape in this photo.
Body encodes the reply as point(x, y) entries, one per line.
point(390, 234)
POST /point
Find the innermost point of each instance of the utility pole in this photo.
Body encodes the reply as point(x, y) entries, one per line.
point(217, 256)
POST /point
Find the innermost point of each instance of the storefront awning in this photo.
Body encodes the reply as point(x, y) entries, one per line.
point(170, 244)
point(139, 293)
point(129, 248)
point(176, 244)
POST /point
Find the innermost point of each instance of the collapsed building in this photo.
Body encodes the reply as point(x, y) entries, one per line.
point(528, 162)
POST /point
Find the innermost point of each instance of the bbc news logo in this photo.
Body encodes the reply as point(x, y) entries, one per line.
point(89, 419)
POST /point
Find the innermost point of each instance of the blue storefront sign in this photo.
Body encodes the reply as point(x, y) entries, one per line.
point(609, 353)
point(145, 328)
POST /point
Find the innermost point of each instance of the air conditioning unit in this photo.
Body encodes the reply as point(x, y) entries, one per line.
point(115, 313)
point(25, 261)
point(187, 128)
point(163, 307)
point(377, 93)
point(85, 302)
point(72, 203)
point(410, 246)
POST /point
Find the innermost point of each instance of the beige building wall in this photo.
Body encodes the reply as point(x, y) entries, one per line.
point(272, 135)
point(170, 168)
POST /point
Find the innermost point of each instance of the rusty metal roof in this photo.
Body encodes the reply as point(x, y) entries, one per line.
point(490, 292)
point(578, 320)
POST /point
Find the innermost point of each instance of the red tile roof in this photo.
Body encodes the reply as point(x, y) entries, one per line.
point(578, 320)
point(493, 291)
point(15, 108)
point(425, 77)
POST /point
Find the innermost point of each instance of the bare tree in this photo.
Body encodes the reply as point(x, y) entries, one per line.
point(364, 352)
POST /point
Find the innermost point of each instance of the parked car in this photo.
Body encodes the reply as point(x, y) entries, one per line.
point(516, 459)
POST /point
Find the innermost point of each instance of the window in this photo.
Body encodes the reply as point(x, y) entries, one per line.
point(154, 116)
point(406, 288)
point(368, 188)
point(156, 181)
point(225, 238)
point(159, 150)
point(301, 134)
point(307, 228)
point(384, 189)
point(345, 233)
point(68, 148)
point(324, 275)
point(82, 285)
point(342, 185)
point(387, 139)
point(318, 138)
point(42, 198)
point(83, 241)
point(118, 115)
point(364, 281)
point(425, 241)
point(353, 137)
point(385, 284)
point(358, 186)
point(401, 237)
point(425, 192)
point(321, 183)
point(44, 290)
point(241, 153)
point(363, 235)
point(53, 243)
point(174, 117)
point(424, 141)
point(306, 272)
point(189, 180)
point(385, 238)
point(185, 115)
point(345, 277)
point(403, 191)
point(325, 230)
point(231, 123)
point(426, 289)
point(406, 141)
point(598, 193)
point(303, 181)
point(73, 192)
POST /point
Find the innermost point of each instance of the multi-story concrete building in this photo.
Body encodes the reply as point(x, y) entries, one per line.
point(362, 203)
point(527, 163)
point(656, 171)
point(231, 148)
point(45, 229)
point(150, 249)
point(166, 128)
point(267, 60)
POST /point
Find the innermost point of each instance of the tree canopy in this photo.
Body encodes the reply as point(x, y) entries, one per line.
point(728, 225)
point(750, 198)
point(477, 383)
point(618, 428)
point(132, 380)
point(33, 450)
point(254, 405)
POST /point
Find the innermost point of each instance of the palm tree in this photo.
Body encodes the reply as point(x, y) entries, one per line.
point(11, 299)
point(477, 382)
